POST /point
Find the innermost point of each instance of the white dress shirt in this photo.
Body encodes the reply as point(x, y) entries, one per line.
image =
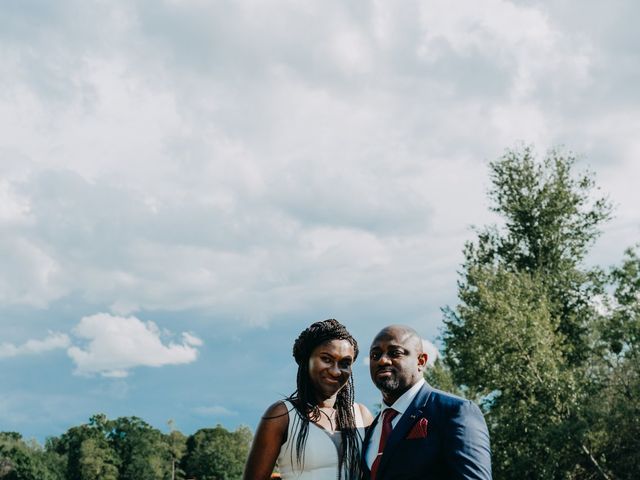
point(400, 406)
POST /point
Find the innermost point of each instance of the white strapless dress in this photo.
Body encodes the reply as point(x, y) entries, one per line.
point(320, 453)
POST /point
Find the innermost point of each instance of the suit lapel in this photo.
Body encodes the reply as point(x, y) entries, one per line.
point(408, 419)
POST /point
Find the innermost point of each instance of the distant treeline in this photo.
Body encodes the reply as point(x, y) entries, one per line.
point(126, 448)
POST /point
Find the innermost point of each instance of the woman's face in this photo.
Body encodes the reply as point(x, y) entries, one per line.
point(330, 367)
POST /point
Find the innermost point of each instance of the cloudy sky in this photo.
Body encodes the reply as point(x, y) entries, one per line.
point(186, 184)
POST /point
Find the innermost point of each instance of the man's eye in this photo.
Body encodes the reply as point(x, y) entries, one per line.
point(374, 356)
point(396, 353)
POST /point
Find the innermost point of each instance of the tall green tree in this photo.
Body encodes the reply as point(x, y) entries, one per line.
point(96, 460)
point(141, 450)
point(176, 443)
point(89, 454)
point(524, 334)
point(614, 406)
point(217, 454)
point(20, 460)
point(55, 462)
point(551, 218)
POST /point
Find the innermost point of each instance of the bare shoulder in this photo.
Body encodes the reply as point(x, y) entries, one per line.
point(276, 414)
point(277, 408)
point(273, 424)
point(367, 418)
point(270, 435)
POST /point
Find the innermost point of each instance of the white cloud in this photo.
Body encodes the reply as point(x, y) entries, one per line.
point(117, 344)
point(431, 350)
point(260, 163)
point(54, 341)
point(30, 274)
point(523, 39)
point(258, 160)
point(191, 339)
point(12, 207)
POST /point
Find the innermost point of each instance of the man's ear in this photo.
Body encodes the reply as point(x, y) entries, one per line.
point(422, 360)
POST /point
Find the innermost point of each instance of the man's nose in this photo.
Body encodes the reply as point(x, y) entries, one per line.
point(384, 359)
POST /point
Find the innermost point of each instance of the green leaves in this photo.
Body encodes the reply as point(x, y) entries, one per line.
point(503, 333)
point(217, 454)
point(24, 461)
point(549, 346)
point(126, 448)
point(550, 216)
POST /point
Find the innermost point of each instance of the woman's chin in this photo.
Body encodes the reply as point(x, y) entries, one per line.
point(327, 391)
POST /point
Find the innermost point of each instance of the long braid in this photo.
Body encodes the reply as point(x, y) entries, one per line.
point(347, 426)
point(305, 402)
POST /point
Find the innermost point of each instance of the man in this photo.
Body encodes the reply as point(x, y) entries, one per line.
point(421, 432)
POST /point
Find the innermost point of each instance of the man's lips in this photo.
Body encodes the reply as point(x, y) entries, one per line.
point(384, 372)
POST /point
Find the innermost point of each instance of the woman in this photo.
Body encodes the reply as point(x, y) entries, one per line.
point(316, 433)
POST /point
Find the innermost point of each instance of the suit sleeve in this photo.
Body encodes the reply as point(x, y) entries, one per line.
point(467, 444)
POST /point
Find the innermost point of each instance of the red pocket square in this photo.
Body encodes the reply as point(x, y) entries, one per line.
point(419, 430)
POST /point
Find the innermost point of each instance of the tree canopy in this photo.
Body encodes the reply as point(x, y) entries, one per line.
point(547, 344)
point(126, 448)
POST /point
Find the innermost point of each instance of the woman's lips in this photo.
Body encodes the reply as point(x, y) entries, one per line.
point(331, 381)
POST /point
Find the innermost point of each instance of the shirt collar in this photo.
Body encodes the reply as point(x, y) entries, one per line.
point(402, 403)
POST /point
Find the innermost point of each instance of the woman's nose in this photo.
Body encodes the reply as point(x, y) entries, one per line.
point(334, 370)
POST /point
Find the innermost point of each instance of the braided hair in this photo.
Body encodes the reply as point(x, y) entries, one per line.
point(305, 402)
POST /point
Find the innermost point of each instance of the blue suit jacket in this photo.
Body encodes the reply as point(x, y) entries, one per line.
point(456, 445)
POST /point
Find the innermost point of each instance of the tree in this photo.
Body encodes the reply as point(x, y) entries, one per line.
point(126, 448)
point(177, 447)
point(523, 336)
point(88, 451)
point(22, 461)
point(551, 219)
point(508, 354)
point(217, 454)
point(54, 461)
point(97, 460)
point(615, 406)
point(141, 449)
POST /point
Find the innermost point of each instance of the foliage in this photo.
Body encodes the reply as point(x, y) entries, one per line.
point(97, 461)
point(126, 448)
point(512, 356)
point(217, 454)
point(23, 461)
point(177, 447)
point(615, 405)
point(550, 221)
point(439, 376)
point(88, 452)
point(548, 345)
point(141, 449)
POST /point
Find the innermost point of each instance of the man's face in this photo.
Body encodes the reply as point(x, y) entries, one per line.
point(396, 362)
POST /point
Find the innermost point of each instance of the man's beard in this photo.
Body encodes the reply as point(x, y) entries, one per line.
point(388, 384)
